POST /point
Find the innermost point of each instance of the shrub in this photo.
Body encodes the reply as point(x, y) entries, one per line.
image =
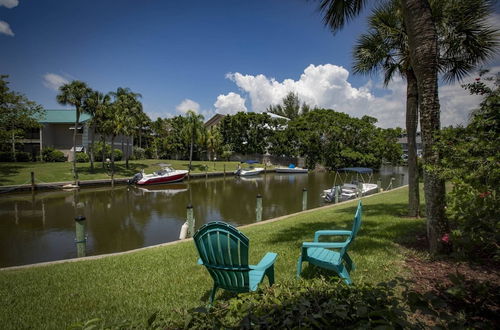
point(82, 157)
point(6, 156)
point(98, 151)
point(316, 304)
point(139, 153)
point(50, 154)
point(118, 154)
point(23, 156)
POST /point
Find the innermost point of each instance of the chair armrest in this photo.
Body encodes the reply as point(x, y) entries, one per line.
point(200, 262)
point(326, 245)
point(331, 233)
point(265, 262)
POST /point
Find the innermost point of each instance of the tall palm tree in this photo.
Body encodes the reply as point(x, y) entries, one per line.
point(423, 50)
point(193, 128)
point(95, 105)
point(74, 93)
point(464, 41)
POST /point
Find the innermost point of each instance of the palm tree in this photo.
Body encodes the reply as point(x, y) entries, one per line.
point(464, 41)
point(95, 105)
point(193, 129)
point(74, 93)
point(423, 51)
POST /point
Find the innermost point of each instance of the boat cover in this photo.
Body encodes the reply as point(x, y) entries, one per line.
point(362, 170)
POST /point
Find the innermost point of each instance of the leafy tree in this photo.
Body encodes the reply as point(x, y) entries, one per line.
point(74, 93)
point(247, 133)
point(464, 40)
point(95, 105)
point(291, 107)
point(17, 113)
point(214, 142)
point(193, 130)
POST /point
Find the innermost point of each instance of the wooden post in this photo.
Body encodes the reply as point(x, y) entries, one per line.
point(206, 171)
point(224, 170)
point(379, 185)
point(304, 199)
point(258, 209)
point(337, 193)
point(81, 238)
point(190, 220)
point(360, 189)
point(32, 181)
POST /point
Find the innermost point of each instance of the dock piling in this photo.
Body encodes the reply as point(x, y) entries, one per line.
point(304, 199)
point(81, 236)
point(190, 220)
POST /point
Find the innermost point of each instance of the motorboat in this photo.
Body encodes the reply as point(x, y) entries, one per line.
point(351, 190)
point(291, 169)
point(250, 170)
point(167, 174)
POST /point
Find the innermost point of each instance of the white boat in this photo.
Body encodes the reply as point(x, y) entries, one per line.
point(351, 190)
point(291, 169)
point(167, 174)
point(249, 171)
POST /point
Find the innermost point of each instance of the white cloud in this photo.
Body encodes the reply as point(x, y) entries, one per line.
point(5, 28)
point(54, 81)
point(230, 104)
point(9, 3)
point(327, 86)
point(188, 104)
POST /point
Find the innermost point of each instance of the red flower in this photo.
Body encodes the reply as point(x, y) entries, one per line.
point(445, 238)
point(483, 195)
point(477, 79)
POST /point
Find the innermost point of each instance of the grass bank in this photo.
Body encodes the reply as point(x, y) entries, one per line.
point(134, 286)
point(19, 173)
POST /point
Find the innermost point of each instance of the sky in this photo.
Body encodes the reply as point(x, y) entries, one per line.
point(218, 56)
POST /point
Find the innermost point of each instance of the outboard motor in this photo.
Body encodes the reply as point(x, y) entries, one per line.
point(135, 178)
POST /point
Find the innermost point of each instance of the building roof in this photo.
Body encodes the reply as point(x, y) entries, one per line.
point(214, 120)
point(62, 116)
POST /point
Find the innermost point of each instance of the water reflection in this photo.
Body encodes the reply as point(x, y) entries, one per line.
point(40, 227)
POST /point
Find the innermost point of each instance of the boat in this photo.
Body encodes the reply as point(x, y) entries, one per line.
point(168, 189)
point(291, 169)
point(167, 174)
point(351, 190)
point(250, 170)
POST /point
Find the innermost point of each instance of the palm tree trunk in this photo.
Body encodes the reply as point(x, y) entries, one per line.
point(411, 129)
point(191, 152)
point(127, 153)
point(112, 161)
point(75, 174)
point(13, 136)
point(422, 41)
point(91, 148)
point(103, 151)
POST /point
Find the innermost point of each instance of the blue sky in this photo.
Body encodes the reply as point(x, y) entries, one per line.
point(210, 56)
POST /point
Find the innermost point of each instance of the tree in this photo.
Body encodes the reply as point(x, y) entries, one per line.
point(423, 51)
point(464, 40)
point(17, 113)
point(74, 93)
point(95, 105)
point(193, 129)
point(291, 107)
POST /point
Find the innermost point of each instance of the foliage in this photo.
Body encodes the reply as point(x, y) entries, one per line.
point(50, 154)
point(82, 157)
point(118, 154)
point(291, 107)
point(21, 156)
point(470, 160)
point(317, 303)
point(139, 153)
point(17, 113)
point(6, 156)
point(98, 148)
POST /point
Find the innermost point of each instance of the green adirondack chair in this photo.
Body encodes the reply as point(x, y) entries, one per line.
point(332, 255)
point(223, 251)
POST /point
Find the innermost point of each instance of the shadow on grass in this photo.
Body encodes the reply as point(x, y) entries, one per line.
point(7, 171)
point(199, 167)
point(120, 169)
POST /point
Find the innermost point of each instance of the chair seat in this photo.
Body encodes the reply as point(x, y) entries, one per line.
point(321, 255)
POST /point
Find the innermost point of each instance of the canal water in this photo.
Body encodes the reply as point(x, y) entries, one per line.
point(40, 227)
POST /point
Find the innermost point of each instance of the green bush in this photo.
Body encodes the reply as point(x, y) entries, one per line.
point(23, 156)
point(317, 304)
point(6, 156)
point(139, 153)
point(50, 154)
point(82, 157)
point(118, 154)
point(107, 152)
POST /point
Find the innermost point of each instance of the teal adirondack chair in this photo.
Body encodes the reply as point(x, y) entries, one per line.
point(223, 251)
point(321, 253)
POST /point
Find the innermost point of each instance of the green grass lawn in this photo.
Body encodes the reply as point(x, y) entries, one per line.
point(19, 173)
point(134, 286)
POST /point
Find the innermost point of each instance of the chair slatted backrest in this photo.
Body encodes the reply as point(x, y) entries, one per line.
point(355, 226)
point(224, 252)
